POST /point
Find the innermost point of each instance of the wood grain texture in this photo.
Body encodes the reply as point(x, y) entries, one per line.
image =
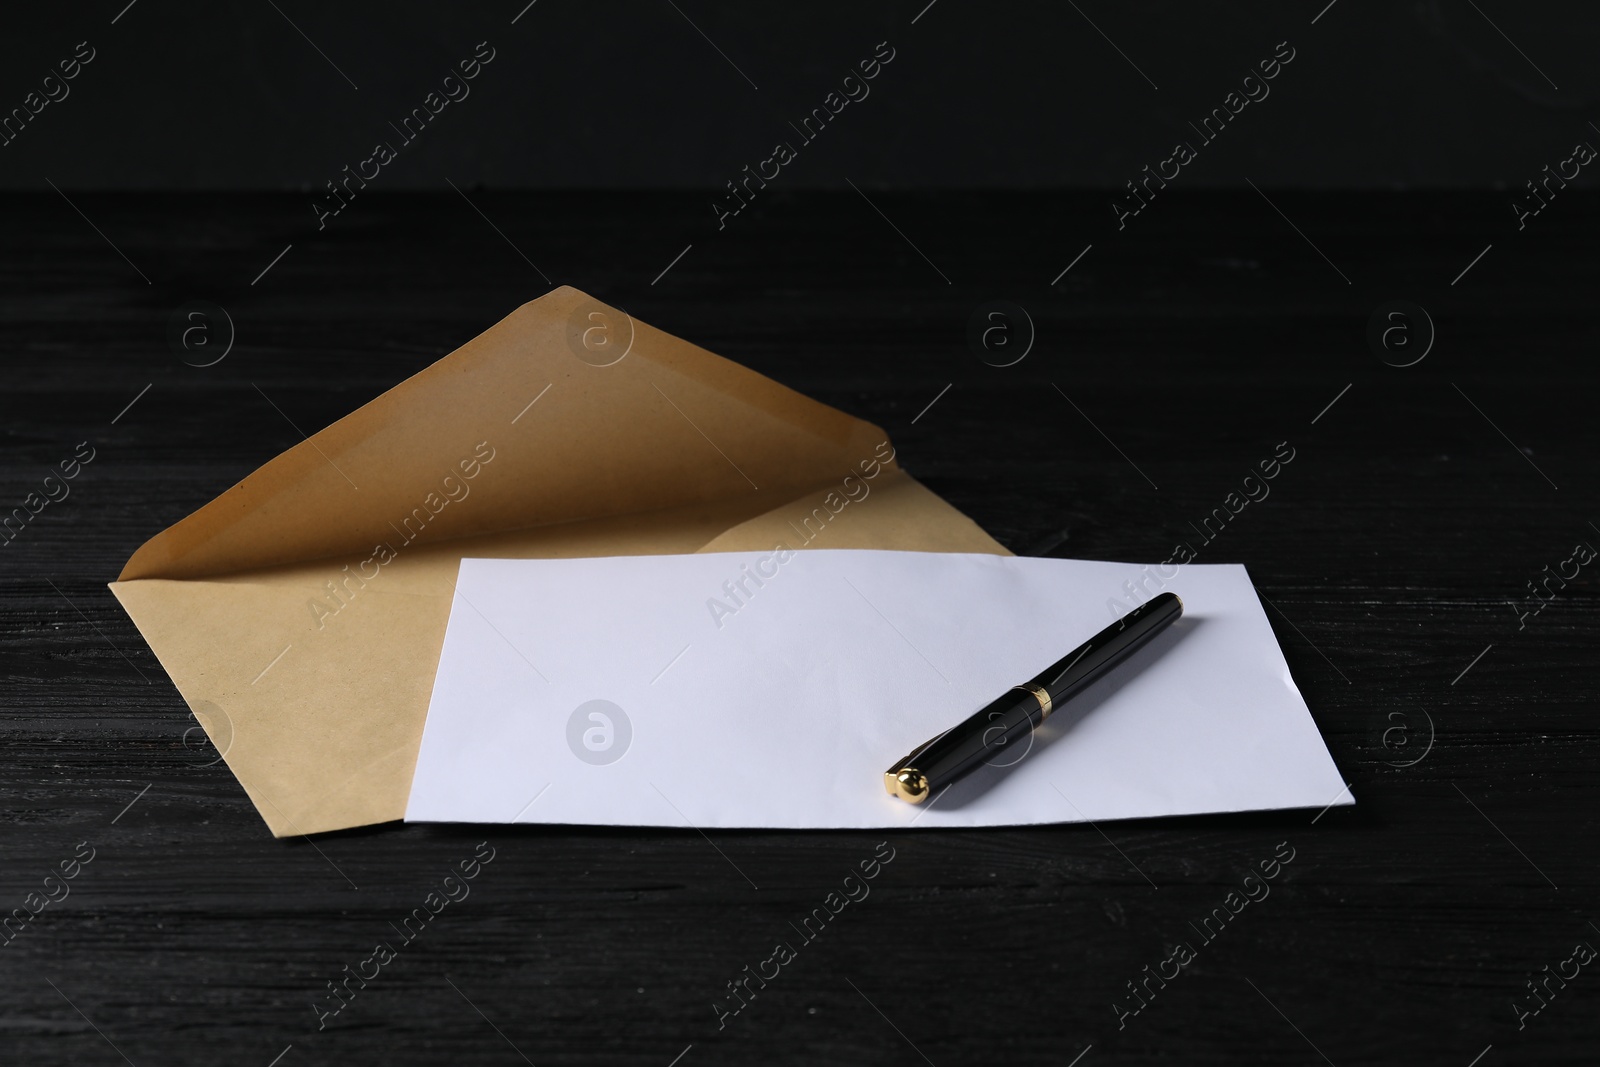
point(1171, 358)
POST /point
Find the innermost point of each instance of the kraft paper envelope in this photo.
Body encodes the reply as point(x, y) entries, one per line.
point(301, 613)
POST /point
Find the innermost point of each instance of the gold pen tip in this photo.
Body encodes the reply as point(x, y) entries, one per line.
point(908, 783)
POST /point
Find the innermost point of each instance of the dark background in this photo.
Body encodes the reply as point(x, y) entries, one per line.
point(1230, 315)
point(628, 94)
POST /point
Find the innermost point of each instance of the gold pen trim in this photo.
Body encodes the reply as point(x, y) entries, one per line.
point(1042, 696)
point(907, 783)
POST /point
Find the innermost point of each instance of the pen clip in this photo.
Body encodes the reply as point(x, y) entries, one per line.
point(910, 758)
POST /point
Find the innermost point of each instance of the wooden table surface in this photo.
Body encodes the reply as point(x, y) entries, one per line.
point(1396, 553)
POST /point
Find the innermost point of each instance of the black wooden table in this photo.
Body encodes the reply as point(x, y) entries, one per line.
point(1396, 553)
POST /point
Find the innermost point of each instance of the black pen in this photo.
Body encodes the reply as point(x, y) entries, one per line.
point(937, 763)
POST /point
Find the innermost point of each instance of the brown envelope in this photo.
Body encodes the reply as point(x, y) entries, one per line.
point(301, 613)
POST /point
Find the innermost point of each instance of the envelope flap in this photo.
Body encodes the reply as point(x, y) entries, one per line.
point(566, 410)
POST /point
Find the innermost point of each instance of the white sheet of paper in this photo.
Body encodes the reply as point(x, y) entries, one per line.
point(784, 707)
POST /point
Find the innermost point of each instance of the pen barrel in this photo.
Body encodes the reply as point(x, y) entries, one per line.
point(988, 735)
point(1084, 665)
point(996, 727)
